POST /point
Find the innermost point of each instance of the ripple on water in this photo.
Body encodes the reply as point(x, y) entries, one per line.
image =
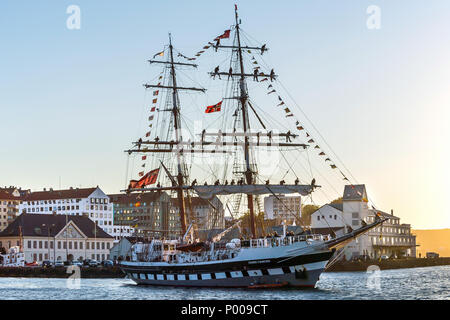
point(417, 283)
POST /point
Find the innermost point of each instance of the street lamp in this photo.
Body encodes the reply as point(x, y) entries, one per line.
point(48, 241)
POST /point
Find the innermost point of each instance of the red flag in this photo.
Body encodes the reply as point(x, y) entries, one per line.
point(152, 109)
point(147, 134)
point(155, 93)
point(154, 100)
point(214, 108)
point(225, 35)
point(149, 178)
point(144, 157)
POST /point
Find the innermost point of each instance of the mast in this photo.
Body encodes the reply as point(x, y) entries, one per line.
point(179, 185)
point(246, 127)
point(178, 139)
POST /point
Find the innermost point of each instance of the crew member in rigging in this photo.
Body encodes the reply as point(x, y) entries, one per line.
point(216, 72)
point(272, 75)
point(288, 136)
point(255, 75)
point(230, 73)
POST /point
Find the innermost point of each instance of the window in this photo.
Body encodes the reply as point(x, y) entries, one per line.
point(81, 245)
point(29, 244)
point(87, 245)
point(59, 244)
point(355, 222)
point(318, 218)
point(355, 215)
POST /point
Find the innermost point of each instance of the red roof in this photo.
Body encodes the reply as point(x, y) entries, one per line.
point(4, 195)
point(35, 225)
point(60, 194)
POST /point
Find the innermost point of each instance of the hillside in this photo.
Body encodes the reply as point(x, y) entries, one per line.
point(436, 240)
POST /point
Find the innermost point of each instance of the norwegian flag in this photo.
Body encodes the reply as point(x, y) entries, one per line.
point(214, 108)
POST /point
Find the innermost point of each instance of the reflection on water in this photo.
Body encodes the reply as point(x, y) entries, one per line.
point(418, 283)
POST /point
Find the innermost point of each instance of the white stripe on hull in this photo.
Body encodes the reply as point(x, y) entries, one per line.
point(307, 275)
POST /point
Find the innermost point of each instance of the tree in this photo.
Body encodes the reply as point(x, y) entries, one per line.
point(307, 211)
point(338, 200)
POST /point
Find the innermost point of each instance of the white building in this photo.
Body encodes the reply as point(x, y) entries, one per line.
point(392, 238)
point(282, 208)
point(56, 238)
point(90, 202)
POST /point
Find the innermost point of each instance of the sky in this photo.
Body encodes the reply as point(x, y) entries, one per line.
point(71, 100)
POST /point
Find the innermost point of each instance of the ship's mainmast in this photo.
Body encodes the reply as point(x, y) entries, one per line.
point(246, 127)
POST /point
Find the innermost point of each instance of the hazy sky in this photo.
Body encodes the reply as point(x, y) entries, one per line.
point(71, 100)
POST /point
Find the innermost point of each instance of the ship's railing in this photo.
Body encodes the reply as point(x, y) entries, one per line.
point(282, 241)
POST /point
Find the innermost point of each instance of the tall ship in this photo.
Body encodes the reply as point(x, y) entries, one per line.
point(232, 139)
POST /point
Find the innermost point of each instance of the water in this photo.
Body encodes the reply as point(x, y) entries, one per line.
point(417, 283)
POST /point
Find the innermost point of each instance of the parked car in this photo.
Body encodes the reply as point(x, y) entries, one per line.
point(384, 257)
point(107, 263)
point(59, 264)
point(77, 263)
point(47, 264)
point(93, 263)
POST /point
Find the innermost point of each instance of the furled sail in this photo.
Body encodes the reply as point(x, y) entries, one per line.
point(208, 192)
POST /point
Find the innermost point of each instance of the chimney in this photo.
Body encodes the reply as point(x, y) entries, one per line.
point(392, 212)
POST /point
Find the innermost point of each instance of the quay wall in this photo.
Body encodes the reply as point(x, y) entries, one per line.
point(115, 272)
point(388, 264)
point(60, 272)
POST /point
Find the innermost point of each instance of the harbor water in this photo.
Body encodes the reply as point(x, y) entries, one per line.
point(398, 284)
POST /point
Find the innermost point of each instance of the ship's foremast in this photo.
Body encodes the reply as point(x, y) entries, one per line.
point(181, 174)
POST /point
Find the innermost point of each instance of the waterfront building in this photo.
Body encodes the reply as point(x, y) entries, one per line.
point(56, 237)
point(9, 206)
point(391, 239)
point(122, 249)
point(206, 214)
point(148, 214)
point(91, 202)
point(157, 214)
point(282, 208)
